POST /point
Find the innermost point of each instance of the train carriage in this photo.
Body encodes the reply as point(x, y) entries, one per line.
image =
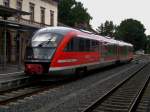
point(62, 51)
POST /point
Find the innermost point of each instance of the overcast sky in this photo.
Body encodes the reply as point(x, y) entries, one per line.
point(118, 10)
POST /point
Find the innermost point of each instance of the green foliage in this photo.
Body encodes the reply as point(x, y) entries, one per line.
point(107, 29)
point(132, 31)
point(73, 13)
point(64, 13)
point(148, 37)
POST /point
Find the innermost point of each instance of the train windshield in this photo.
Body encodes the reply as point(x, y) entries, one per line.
point(45, 39)
point(42, 46)
point(36, 53)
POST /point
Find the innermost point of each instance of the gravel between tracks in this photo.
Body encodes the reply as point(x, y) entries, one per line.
point(68, 96)
point(144, 104)
point(79, 100)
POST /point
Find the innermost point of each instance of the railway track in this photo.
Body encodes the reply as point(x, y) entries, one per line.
point(144, 104)
point(12, 95)
point(125, 96)
point(15, 94)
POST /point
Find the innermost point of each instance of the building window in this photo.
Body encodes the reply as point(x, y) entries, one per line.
point(32, 11)
point(6, 3)
point(19, 4)
point(42, 15)
point(19, 7)
point(51, 18)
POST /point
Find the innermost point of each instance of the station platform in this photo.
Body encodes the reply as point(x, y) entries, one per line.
point(10, 69)
point(12, 76)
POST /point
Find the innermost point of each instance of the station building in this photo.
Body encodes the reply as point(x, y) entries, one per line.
point(18, 20)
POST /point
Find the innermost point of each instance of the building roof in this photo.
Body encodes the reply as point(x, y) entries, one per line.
point(9, 12)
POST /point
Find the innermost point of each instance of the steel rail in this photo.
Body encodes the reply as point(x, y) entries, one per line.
point(94, 104)
point(28, 93)
point(138, 97)
point(20, 93)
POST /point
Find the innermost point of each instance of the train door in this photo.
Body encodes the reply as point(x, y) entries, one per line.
point(100, 51)
point(102, 47)
point(117, 53)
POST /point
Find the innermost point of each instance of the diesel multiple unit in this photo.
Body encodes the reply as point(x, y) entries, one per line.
point(65, 51)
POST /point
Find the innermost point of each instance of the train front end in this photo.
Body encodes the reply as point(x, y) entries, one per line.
point(39, 52)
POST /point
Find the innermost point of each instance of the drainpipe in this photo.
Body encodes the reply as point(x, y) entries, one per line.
point(5, 45)
point(20, 54)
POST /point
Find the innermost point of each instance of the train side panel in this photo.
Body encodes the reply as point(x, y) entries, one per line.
point(72, 55)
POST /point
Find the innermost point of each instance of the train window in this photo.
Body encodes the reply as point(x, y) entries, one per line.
point(103, 49)
point(95, 45)
point(114, 50)
point(121, 50)
point(109, 49)
point(124, 51)
point(45, 39)
point(39, 53)
point(88, 45)
point(72, 46)
point(83, 45)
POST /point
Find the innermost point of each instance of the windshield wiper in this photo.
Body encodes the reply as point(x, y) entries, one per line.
point(46, 42)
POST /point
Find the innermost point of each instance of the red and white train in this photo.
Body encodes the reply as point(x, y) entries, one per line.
point(64, 51)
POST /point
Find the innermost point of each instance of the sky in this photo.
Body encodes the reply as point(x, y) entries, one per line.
point(118, 10)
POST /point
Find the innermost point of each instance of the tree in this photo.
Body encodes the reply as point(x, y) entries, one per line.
point(107, 29)
point(132, 31)
point(101, 30)
point(73, 13)
point(64, 13)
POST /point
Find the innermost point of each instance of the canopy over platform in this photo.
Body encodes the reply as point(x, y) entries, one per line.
point(6, 12)
point(18, 26)
point(9, 12)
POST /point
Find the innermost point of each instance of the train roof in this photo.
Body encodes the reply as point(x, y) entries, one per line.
point(108, 40)
point(122, 43)
point(59, 30)
point(113, 41)
point(65, 30)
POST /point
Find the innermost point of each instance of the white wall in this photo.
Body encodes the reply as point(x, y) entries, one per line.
point(1, 2)
point(38, 4)
point(13, 4)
